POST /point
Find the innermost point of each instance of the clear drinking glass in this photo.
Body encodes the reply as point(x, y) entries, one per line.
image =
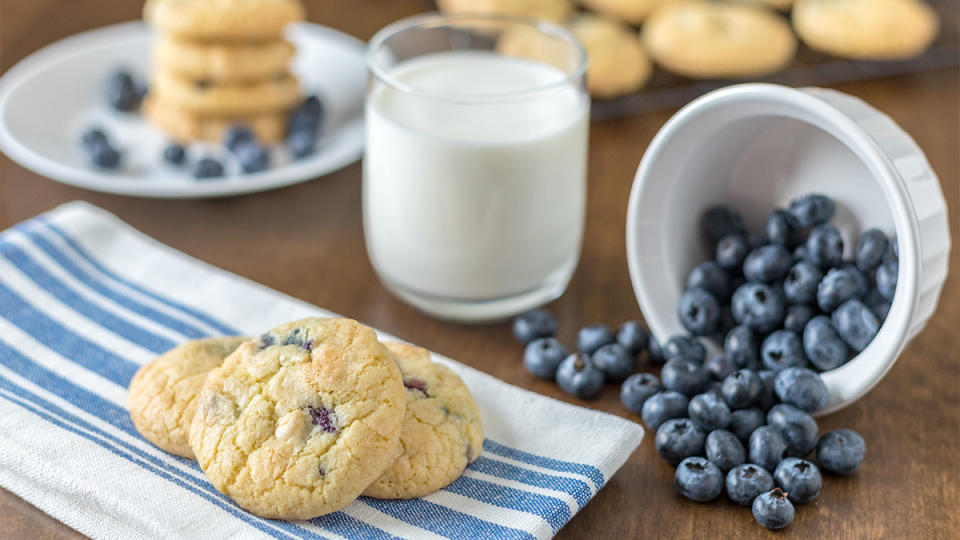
point(474, 176)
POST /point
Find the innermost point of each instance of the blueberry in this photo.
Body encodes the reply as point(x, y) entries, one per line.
point(782, 229)
point(879, 305)
point(711, 277)
point(301, 143)
point(798, 315)
point(207, 168)
point(655, 351)
point(838, 286)
point(782, 349)
point(715, 388)
point(800, 254)
point(841, 451)
point(799, 429)
point(533, 324)
point(799, 478)
point(812, 210)
point(741, 347)
point(174, 154)
point(823, 345)
point(719, 366)
point(731, 250)
point(887, 278)
point(307, 117)
point(94, 137)
point(773, 509)
point(766, 447)
point(767, 264)
point(745, 482)
point(238, 136)
point(825, 246)
point(741, 388)
point(542, 357)
point(253, 157)
point(684, 376)
point(121, 91)
point(578, 376)
point(699, 312)
point(856, 324)
point(709, 412)
point(105, 156)
point(768, 396)
point(592, 337)
point(744, 421)
point(800, 284)
point(803, 388)
point(757, 306)
point(633, 337)
point(724, 450)
point(719, 221)
point(679, 438)
point(614, 361)
point(663, 406)
point(684, 347)
point(638, 387)
point(698, 479)
point(871, 248)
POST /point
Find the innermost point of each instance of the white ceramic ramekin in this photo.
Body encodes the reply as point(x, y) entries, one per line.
point(758, 146)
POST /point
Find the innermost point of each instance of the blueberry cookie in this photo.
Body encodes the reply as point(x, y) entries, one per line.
point(163, 393)
point(706, 40)
point(184, 126)
point(232, 62)
point(441, 433)
point(629, 11)
point(618, 62)
point(549, 10)
point(866, 29)
point(209, 98)
point(297, 423)
point(230, 20)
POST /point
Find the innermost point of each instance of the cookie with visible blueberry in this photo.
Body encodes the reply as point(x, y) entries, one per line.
point(442, 431)
point(212, 98)
point(223, 20)
point(164, 392)
point(298, 422)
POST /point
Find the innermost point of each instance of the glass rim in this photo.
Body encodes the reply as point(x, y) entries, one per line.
point(441, 19)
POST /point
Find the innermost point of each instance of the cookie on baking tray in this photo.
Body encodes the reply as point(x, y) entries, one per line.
point(618, 62)
point(231, 62)
point(184, 126)
point(550, 10)
point(223, 20)
point(629, 11)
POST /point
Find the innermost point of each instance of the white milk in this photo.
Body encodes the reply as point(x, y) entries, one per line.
point(481, 197)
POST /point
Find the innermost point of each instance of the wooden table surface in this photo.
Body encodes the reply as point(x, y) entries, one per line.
point(307, 241)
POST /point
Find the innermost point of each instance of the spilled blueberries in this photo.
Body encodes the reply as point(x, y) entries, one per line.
point(781, 307)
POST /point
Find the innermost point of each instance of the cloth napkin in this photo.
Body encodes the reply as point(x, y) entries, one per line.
point(85, 300)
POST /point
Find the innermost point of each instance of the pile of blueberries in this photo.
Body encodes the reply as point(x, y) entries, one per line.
point(124, 94)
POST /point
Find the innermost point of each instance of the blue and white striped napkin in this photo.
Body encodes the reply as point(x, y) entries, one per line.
point(85, 300)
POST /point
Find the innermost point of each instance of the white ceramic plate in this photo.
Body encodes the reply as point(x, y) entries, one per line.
point(49, 99)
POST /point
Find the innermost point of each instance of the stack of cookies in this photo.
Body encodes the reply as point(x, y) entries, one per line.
point(303, 419)
point(219, 63)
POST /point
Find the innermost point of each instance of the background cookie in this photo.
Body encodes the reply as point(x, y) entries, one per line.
point(208, 98)
point(230, 63)
point(781, 5)
point(297, 423)
point(184, 126)
point(164, 392)
point(716, 40)
point(618, 63)
point(243, 20)
point(441, 433)
point(550, 10)
point(630, 11)
point(866, 29)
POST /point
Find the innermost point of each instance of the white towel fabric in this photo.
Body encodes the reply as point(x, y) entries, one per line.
point(85, 300)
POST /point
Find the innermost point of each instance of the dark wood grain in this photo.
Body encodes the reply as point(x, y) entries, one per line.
point(307, 241)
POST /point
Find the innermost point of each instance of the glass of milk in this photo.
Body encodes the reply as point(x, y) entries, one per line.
point(474, 176)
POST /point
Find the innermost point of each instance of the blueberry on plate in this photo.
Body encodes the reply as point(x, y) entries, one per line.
point(684, 376)
point(121, 91)
point(812, 209)
point(719, 366)
point(679, 438)
point(799, 478)
point(301, 143)
point(307, 117)
point(698, 479)
point(801, 283)
point(207, 168)
point(856, 324)
point(639, 387)
point(768, 397)
point(663, 406)
point(838, 286)
point(633, 337)
point(104, 156)
point(699, 312)
point(871, 248)
point(823, 346)
point(841, 451)
point(238, 136)
point(773, 509)
point(578, 376)
point(887, 278)
point(709, 411)
point(741, 388)
point(757, 306)
point(711, 277)
point(825, 246)
point(174, 154)
point(719, 221)
point(782, 349)
point(766, 447)
point(592, 337)
point(614, 361)
point(731, 251)
point(798, 428)
point(686, 347)
point(798, 315)
point(801, 387)
point(253, 157)
point(542, 357)
point(745, 482)
point(741, 347)
point(724, 449)
point(533, 324)
point(744, 421)
point(767, 264)
point(781, 229)
point(94, 137)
